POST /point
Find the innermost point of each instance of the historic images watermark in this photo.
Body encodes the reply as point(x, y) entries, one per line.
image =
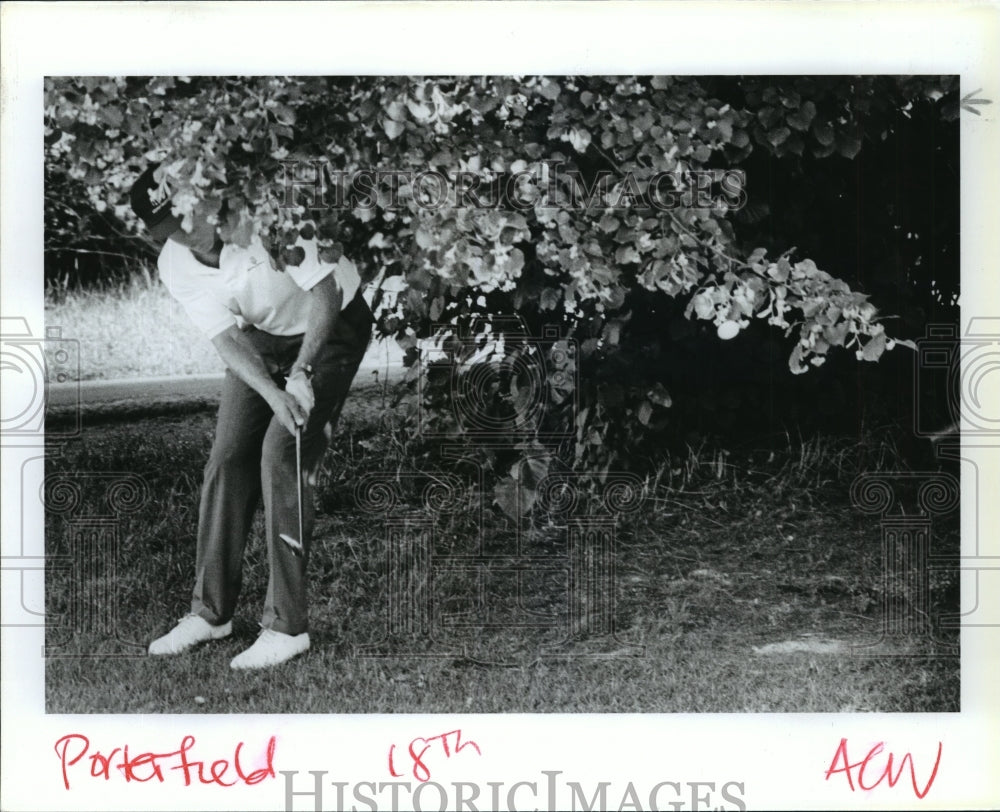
point(547, 791)
point(520, 187)
point(30, 364)
point(907, 559)
point(954, 376)
point(92, 532)
point(90, 545)
point(963, 370)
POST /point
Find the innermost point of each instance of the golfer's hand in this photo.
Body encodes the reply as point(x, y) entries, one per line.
point(298, 386)
point(288, 411)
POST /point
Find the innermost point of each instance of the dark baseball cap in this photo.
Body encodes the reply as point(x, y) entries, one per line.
point(151, 203)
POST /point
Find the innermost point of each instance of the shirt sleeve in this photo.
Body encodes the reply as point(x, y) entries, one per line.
point(313, 269)
point(179, 273)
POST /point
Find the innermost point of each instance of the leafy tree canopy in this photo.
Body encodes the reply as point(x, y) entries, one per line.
point(618, 208)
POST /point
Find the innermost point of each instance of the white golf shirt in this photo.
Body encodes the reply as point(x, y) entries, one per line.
point(245, 289)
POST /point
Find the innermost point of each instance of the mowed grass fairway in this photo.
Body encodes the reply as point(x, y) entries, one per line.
point(729, 553)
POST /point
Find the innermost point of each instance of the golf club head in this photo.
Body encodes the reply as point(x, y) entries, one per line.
point(296, 546)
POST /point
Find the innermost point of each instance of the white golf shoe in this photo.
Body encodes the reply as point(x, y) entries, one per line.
point(189, 632)
point(271, 648)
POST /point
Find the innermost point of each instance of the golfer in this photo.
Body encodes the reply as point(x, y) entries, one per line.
point(292, 341)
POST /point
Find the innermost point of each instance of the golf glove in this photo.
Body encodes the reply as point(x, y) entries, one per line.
point(298, 386)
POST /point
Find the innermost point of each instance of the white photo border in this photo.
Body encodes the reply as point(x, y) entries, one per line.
point(781, 758)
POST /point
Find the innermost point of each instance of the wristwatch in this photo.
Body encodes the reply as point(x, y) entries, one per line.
point(307, 370)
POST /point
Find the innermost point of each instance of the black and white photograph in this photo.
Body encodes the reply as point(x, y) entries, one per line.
point(554, 393)
point(546, 402)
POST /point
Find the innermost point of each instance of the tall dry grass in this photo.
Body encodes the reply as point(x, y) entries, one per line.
point(129, 329)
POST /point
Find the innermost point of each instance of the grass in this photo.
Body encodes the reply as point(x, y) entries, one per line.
point(129, 329)
point(732, 551)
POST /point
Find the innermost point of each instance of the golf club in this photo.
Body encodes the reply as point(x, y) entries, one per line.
point(296, 544)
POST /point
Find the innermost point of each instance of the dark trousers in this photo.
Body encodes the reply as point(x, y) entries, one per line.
point(253, 456)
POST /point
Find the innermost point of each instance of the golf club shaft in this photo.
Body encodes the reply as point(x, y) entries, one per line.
point(298, 471)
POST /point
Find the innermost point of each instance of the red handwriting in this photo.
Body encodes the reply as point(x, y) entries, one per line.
point(842, 764)
point(144, 767)
point(419, 746)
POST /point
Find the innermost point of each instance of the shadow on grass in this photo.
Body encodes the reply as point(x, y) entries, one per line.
point(727, 558)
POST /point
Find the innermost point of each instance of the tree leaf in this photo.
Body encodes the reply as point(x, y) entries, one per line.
point(425, 238)
point(873, 349)
point(506, 495)
point(549, 89)
point(823, 132)
point(420, 112)
point(396, 111)
point(660, 396)
point(392, 127)
point(848, 145)
point(645, 412)
point(613, 331)
point(702, 154)
point(437, 307)
point(626, 254)
point(836, 334)
point(795, 361)
point(609, 223)
point(801, 119)
point(778, 135)
point(579, 137)
point(550, 299)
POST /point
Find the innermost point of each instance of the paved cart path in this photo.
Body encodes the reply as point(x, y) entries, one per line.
point(130, 394)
